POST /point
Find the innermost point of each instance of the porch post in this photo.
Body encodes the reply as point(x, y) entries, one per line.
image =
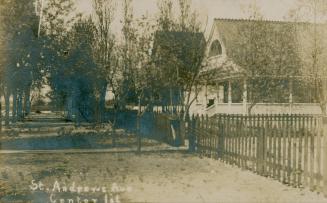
point(245, 96)
point(291, 96)
point(217, 102)
point(229, 95)
point(206, 94)
point(217, 86)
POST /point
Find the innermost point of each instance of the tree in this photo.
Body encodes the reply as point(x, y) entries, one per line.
point(76, 80)
point(147, 82)
point(128, 48)
point(165, 21)
point(82, 72)
point(268, 53)
point(314, 12)
point(184, 52)
point(21, 55)
point(104, 52)
point(55, 50)
point(2, 62)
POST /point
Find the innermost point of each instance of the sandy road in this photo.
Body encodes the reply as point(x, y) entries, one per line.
point(150, 177)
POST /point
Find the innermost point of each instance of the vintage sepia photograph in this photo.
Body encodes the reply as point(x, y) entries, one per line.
point(163, 101)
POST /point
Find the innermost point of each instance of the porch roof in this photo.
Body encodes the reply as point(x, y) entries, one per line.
point(226, 70)
point(214, 76)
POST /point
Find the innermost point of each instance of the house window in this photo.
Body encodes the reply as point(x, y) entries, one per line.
point(215, 49)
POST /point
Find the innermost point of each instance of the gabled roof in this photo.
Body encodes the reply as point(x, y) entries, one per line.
point(232, 33)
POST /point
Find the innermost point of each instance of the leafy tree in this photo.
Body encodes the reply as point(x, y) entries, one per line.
point(83, 74)
point(58, 17)
point(20, 73)
point(75, 80)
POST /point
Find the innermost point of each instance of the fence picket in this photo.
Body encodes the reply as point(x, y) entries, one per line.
point(274, 140)
point(260, 146)
point(248, 143)
point(232, 139)
point(289, 147)
point(227, 120)
point(246, 153)
point(207, 136)
point(300, 161)
point(217, 135)
point(279, 147)
point(235, 140)
point(318, 160)
point(225, 138)
point(240, 145)
point(312, 174)
point(231, 124)
point(269, 138)
point(284, 137)
point(294, 154)
point(251, 121)
point(306, 154)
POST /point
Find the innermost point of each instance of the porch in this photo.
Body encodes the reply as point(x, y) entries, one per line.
point(236, 95)
point(262, 108)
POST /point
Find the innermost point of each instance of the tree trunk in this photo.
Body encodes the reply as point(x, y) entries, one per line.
point(69, 107)
point(14, 105)
point(7, 103)
point(102, 102)
point(182, 130)
point(20, 105)
point(114, 123)
point(251, 107)
point(0, 115)
point(138, 127)
point(27, 102)
point(171, 98)
point(96, 117)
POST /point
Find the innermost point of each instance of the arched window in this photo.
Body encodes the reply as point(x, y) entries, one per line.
point(215, 49)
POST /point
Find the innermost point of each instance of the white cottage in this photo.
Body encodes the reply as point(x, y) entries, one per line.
point(225, 78)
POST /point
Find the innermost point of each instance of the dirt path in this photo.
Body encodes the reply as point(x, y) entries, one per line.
point(150, 177)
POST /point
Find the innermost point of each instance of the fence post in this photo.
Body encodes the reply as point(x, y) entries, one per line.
point(207, 136)
point(138, 129)
point(182, 124)
point(324, 126)
point(191, 134)
point(154, 128)
point(197, 133)
point(260, 144)
point(220, 137)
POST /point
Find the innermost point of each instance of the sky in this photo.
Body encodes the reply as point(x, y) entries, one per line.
point(271, 9)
